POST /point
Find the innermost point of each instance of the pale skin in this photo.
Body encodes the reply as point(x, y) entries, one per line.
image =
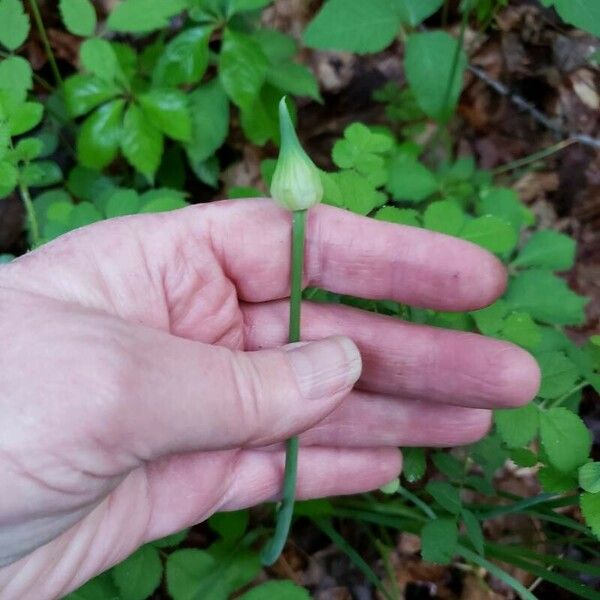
point(143, 383)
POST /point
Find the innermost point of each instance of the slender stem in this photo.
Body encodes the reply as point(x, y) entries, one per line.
point(285, 513)
point(35, 9)
point(527, 160)
point(31, 216)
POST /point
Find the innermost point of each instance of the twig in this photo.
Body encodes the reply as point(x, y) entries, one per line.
point(536, 114)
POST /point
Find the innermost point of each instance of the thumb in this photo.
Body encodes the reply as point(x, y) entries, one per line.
point(194, 396)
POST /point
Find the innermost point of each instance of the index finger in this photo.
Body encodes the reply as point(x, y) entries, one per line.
point(349, 254)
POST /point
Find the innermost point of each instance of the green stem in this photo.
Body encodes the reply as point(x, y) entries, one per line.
point(285, 513)
point(34, 229)
point(35, 9)
point(527, 160)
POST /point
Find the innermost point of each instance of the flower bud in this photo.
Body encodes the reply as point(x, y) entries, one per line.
point(296, 183)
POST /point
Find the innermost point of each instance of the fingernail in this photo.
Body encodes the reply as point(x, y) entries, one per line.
point(326, 367)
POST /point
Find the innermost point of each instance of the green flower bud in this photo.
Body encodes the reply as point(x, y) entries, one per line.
point(296, 183)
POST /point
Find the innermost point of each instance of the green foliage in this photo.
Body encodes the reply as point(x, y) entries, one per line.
point(139, 574)
point(14, 24)
point(584, 14)
point(439, 541)
point(589, 477)
point(276, 590)
point(79, 16)
point(518, 426)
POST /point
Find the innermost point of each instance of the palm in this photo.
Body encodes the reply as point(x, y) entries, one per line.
point(219, 275)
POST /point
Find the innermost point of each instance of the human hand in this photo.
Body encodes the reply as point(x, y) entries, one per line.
point(138, 398)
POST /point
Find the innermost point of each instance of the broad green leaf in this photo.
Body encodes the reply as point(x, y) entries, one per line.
point(546, 298)
point(79, 16)
point(474, 531)
point(490, 454)
point(184, 59)
point(100, 135)
point(565, 438)
point(242, 68)
point(295, 79)
point(501, 202)
point(123, 202)
point(167, 110)
point(449, 465)
point(353, 25)
point(521, 329)
point(400, 216)
point(83, 92)
point(410, 180)
point(492, 233)
point(185, 570)
point(260, 120)
point(549, 250)
point(141, 142)
point(99, 588)
point(41, 173)
point(523, 457)
point(445, 216)
point(276, 590)
point(584, 14)
point(414, 12)
point(589, 477)
point(84, 213)
point(559, 374)
point(230, 525)
point(138, 575)
point(414, 464)
point(446, 495)
point(14, 24)
point(171, 540)
point(517, 426)
point(209, 108)
point(88, 184)
point(143, 16)
point(99, 58)
point(27, 149)
point(276, 46)
point(242, 5)
point(9, 177)
point(439, 539)
point(590, 508)
point(25, 117)
point(163, 204)
point(16, 78)
point(428, 63)
point(490, 320)
point(207, 171)
point(554, 481)
point(354, 192)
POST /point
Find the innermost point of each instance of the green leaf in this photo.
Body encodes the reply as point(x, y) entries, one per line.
point(14, 24)
point(446, 495)
point(184, 571)
point(9, 176)
point(523, 457)
point(589, 477)
point(449, 465)
point(78, 16)
point(88, 184)
point(428, 63)
point(209, 109)
point(83, 92)
point(490, 320)
point(276, 590)
point(517, 426)
point(244, 5)
point(100, 135)
point(27, 149)
point(353, 192)
point(353, 25)
point(546, 298)
point(559, 374)
point(230, 525)
point(565, 438)
point(172, 540)
point(138, 575)
point(162, 204)
point(295, 79)
point(242, 68)
point(25, 117)
point(167, 110)
point(445, 216)
point(41, 173)
point(474, 531)
point(521, 329)
point(414, 12)
point(143, 16)
point(439, 540)
point(276, 46)
point(555, 482)
point(584, 14)
point(400, 216)
point(410, 180)
point(84, 213)
point(501, 202)
point(549, 250)
point(490, 232)
point(16, 78)
point(590, 508)
point(260, 120)
point(99, 588)
point(141, 142)
point(184, 59)
point(99, 58)
point(414, 464)
point(122, 202)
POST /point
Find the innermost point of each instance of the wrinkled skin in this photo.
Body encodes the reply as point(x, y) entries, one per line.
point(143, 385)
